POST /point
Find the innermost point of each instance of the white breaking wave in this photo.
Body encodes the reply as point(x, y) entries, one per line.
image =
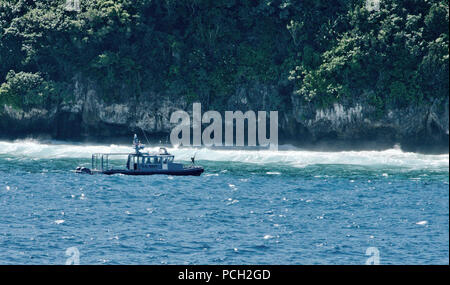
point(296, 158)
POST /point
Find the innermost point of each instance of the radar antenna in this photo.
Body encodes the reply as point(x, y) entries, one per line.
point(137, 144)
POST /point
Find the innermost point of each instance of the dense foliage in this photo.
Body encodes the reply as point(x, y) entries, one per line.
point(323, 50)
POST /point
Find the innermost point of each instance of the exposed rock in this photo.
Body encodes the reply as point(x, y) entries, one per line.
point(421, 128)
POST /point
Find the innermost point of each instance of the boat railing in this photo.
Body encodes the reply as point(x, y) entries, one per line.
point(100, 161)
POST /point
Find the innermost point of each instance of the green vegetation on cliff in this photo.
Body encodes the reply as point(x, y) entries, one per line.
point(322, 50)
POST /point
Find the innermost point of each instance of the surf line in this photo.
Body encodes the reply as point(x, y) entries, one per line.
point(212, 134)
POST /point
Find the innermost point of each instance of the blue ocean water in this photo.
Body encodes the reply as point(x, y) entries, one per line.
point(249, 207)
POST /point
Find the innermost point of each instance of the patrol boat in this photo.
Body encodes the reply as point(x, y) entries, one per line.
point(141, 163)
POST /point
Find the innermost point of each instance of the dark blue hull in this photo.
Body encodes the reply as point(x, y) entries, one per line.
point(197, 171)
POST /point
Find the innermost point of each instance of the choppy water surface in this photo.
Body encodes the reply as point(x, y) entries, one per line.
point(257, 207)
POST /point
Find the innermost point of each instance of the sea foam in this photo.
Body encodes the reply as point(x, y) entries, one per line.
point(291, 157)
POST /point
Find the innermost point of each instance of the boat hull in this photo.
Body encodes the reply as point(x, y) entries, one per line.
point(185, 172)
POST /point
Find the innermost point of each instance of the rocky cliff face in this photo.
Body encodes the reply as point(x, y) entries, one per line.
point(352, 124)
point(415, 128)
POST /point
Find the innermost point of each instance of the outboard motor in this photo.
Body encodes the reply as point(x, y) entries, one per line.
point(83, 170)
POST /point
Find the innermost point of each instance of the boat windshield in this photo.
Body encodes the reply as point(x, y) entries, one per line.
point(157, 159)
